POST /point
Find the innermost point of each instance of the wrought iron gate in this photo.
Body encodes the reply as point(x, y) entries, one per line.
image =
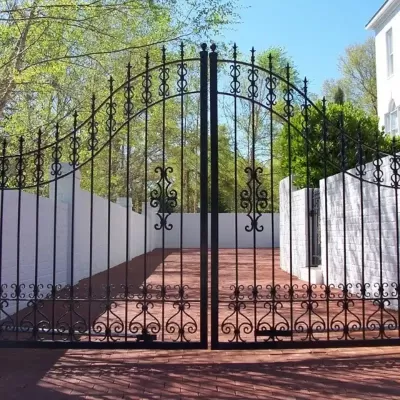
point(104, 233)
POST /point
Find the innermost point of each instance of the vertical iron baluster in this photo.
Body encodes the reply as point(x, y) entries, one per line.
point(271, 102)
point(214, 194)
point(21, 185)
point(343, 160)
point(146, 100)
point(55, 172)
point(111, 127)
point(163, 91)
point(181, 90)
point(360, 170)
point(288, 108)
point(3, 185)
point(235, 90)
point(395, 181)
point(92, 146)
point(306, 129)
point(204, 194)
point(253, 95)
point(74, 160)
point(327, 285)
point(128, 114)
point(38, 181)
point(378, 177)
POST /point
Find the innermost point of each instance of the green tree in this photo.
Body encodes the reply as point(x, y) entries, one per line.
point(338, 96)
point(55, 53)
point(344, 124)
point(357, 67)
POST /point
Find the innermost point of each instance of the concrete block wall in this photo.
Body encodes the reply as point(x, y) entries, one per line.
point(342, 244)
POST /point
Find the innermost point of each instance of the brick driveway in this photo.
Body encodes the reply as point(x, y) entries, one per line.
point(291, 374)
point(108, 375)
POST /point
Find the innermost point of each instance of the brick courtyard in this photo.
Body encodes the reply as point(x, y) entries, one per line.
point(268, 374)
point(323, 374)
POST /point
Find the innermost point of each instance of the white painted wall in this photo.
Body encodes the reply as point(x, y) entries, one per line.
point(81, 245)
point(388, 87)
point(27, 260)
point(299, 227)
point(82, 229)
point(191, 231)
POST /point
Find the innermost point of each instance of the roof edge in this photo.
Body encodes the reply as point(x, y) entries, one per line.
point(371, 24)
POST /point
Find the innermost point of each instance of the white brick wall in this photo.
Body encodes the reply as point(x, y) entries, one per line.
point(339, 264)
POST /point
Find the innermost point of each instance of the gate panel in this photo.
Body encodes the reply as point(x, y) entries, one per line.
point(283, 274)
point(102, 243)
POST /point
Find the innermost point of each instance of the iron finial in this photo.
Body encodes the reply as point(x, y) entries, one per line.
point(270, 61)
point(288, 71)
point(235, 51)
point(252, 55)
point(213, 47)
point(57, 130)
point(305, 81)
point(203, 46)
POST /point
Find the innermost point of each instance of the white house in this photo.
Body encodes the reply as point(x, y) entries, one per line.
point(386, 24)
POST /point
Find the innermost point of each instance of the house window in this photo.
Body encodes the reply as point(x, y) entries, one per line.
point(389, 52)
point(392, 119)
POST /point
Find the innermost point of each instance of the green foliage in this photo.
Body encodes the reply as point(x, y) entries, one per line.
point(309, 155)
point(358, 77)
point(338, 97)
point(56, 53)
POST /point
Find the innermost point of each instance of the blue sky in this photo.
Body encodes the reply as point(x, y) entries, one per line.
point(313, 32)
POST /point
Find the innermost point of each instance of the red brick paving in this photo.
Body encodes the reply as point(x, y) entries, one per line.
point(291, 374)
point(82, 374)
point(164, 318)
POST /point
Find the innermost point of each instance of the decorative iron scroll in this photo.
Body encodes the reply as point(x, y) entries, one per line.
point(145, 323)
point(235, 73)
point(181, 322)
point(164, 198)
point(254, 199)
point(237, 322)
